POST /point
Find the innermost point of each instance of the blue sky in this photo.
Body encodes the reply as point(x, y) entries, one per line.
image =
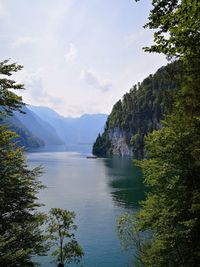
point(79, 56)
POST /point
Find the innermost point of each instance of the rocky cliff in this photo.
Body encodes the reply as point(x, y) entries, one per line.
point(118, 142)
point(139, 112)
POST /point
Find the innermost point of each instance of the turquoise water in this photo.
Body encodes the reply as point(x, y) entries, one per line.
point(99, 191)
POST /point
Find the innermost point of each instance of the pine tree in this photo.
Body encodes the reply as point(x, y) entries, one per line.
point(20, 234)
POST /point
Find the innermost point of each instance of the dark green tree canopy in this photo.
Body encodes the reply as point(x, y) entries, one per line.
point(20, 222)
point(171, 212)
point(9, 101)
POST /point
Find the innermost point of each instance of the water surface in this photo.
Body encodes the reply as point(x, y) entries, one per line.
point(99, 191)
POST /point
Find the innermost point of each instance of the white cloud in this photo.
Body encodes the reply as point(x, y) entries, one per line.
point(92, 79)
point(24, 41)
point(39, 95)
point(71, 54)
point(36, 92)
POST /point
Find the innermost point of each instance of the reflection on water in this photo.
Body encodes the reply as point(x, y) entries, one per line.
point(82, 148)
point(125, 181)
point(99, 191)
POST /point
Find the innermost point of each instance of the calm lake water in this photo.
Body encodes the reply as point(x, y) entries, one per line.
point(99, 191)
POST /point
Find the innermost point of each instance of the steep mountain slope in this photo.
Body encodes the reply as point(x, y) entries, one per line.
point(42, 126)
point(37, 127)
point(54, 119)
point(73, 130)
point(25, 137)
point(138, 113)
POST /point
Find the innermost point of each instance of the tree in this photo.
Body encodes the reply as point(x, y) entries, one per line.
point(61, 229)
point(171, 212)
point(131, 237)
point(176, 25)
point(9, 101)
point(20, 234)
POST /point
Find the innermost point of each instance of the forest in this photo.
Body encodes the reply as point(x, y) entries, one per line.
point(140, 111)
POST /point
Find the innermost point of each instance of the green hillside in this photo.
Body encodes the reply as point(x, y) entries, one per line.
point(139, 112)
point(25, 138)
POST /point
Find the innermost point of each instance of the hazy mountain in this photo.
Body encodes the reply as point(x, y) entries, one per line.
point(42, 126)
point(52, 118)
point(73, 130)
point(25, 137)
point(38, 127)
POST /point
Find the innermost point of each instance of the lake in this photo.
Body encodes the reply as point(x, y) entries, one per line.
point(99, 191)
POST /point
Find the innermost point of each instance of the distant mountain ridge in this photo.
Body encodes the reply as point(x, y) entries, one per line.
point(42, 126)
point(83, 129)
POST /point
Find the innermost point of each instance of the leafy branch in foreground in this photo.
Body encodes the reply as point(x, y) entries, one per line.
point(61, 229)
point(9, 101)
point(130, 236)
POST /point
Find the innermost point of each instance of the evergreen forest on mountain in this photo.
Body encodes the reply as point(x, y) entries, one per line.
point(141, 111)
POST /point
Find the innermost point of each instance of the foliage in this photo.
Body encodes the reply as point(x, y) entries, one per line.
point(130, 236)
point(9, 101)
point(141, 110)
point(61, 229)
point(101, 145)
point(20, 234)
point(177, 28)
point(171, 212)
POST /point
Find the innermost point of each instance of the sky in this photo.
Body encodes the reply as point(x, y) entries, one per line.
point(79, 56)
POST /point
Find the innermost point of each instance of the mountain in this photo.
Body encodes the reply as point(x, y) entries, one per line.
point(139, 112)
point(38, 127)
point(54, 119)
point(72, 130)
point(42, 126)
point(33, 132)
point(25, 137)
